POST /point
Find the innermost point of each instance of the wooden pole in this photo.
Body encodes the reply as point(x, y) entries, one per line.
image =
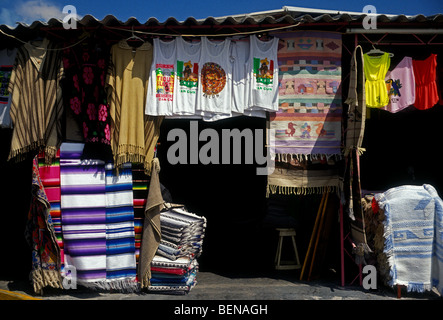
point(307, 256)
point(320, 229)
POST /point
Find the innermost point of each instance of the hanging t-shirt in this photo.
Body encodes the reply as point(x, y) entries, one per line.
point(7, 58)
point(426, 92)
point(262, 72)
point(240, 81)
point(214, 94)
point(160, 94)
point(240, 52)
point(186, 84)
point(375, 68)
point(400, 84)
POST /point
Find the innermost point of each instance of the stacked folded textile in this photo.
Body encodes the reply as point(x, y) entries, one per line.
point(182, 234)
point(173, 276)
point(174, 267)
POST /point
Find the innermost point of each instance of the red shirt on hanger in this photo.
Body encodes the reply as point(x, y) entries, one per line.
point(426, 92)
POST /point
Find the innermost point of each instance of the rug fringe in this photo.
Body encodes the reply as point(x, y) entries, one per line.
point(45, 278)
point(286, 190)
point(286, 157)
point(122, 285)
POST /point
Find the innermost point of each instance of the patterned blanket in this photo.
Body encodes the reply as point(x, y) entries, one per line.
point(309, 118)
point(412, 241)
point(41, 237)
point(50, 177)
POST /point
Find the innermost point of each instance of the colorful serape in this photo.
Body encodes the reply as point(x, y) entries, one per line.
point(83, 212)
point(140, 183)
point(308, 122)
point(410, 234)
point(120, 232)
point(50, 177)
point(40, 236)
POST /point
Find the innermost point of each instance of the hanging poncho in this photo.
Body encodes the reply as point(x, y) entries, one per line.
point(36, 102)
point(134, 135)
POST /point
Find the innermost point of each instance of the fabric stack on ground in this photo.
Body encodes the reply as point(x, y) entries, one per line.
point(174, 267)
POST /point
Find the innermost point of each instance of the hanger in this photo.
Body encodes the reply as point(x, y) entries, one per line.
point(375, 51)
point(134, 37)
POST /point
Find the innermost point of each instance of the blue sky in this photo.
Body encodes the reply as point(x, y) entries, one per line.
point(27, 11)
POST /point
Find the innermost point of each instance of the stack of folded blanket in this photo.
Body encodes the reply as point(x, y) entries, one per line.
point(174, 267)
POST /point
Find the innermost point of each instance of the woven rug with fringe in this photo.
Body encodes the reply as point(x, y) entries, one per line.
point(409, 234)
point(287, 179)
point(307, 126)
point(308, 122)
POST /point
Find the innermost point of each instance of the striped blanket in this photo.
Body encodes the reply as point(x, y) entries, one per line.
point(120, 231)
point(411, 238)
point(97, 221)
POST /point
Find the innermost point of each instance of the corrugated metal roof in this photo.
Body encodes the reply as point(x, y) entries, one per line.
point(287, 16)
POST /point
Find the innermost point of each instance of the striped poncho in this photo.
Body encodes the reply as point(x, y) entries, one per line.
point(36, 100)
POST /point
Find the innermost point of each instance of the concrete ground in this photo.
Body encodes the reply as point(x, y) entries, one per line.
point(281, 285)
point(221, 296)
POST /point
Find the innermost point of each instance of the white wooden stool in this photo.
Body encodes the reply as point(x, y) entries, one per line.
point(285, 265)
